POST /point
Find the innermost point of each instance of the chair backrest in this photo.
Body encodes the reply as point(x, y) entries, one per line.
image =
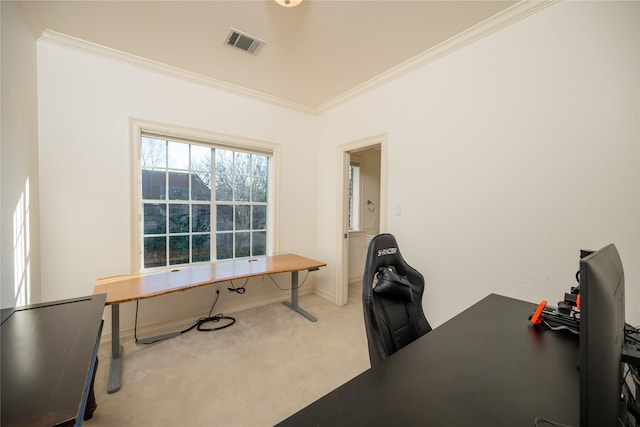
point(392, 309)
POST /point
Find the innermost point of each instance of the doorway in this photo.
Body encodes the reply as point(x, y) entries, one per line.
point(363, 188)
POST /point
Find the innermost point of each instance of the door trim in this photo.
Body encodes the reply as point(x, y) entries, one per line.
point(342, 250)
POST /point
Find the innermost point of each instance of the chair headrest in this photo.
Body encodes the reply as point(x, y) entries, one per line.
point(392, 285)
point(384, 252)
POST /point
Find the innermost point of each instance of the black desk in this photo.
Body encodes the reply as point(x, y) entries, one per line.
point(48, 354)
point(484, 367)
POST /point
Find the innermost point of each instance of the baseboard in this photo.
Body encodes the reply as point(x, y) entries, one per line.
point(355, 279)
point(323, 294)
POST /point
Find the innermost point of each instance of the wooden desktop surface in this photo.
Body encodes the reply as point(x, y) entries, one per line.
point(131, 287)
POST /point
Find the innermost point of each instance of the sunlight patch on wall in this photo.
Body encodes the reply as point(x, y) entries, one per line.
point(21, 249)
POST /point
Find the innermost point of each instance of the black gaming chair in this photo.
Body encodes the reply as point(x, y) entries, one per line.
point(392, 299)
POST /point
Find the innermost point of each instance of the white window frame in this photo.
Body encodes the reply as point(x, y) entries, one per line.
point(178, 133)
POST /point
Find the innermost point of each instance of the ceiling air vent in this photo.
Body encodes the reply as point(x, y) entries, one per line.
point(244, 41)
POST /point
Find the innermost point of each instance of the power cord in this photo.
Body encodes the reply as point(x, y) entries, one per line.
point(199, 323)
point(561, 328)
point(286, 289)
point(630, 331)
point(203, 320)
point(241, 290)
point(214, 319)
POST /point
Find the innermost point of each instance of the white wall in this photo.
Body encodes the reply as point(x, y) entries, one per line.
point(20, 235)
point(85, 104)
point(507, 157)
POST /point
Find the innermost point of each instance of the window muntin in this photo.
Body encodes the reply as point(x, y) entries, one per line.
point(186, 219)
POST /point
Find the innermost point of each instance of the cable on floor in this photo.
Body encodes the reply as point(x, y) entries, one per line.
point(214, 319)
point(227, 321)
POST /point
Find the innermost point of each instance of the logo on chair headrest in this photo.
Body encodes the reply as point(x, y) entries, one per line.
point(387, 251)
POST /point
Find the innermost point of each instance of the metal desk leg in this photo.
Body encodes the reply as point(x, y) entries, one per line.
point(116, 351)
point(294, 298)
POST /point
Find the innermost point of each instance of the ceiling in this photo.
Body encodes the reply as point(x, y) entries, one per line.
point(313, 53)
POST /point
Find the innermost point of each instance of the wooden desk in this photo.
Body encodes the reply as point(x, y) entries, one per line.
point(487, 366)
point(132, 287)
point(48, 360)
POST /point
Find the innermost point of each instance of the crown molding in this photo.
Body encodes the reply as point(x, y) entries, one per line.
point(513, 14)
point(63, 40)
point(507, 17)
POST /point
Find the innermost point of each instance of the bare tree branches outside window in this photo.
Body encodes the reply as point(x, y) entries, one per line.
point(201, 202)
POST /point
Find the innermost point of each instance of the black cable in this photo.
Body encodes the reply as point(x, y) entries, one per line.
point(630, 331)
point(135, 324)
point(630, 371)
point(560, 328)
point(632, 338)
point(286, 289)
point(241, 290)
point(214, 319)
point(203, 320)
point(218, 317)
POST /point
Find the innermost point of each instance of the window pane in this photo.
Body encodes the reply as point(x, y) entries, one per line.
point(243, 244)
point(179, 219)
point(155, 252)
point(153, 153)
point(259, 245)
point(259, 166)
point(243, 217)
point(200, 218)
point(178, 155)
point(224, 161)
point(259, 217)
point(200, 248)
point(178, 186)
point(259, 190)
point(354, 198)
point(178, 250)
point(155, 218)
point(179, 182)
point(154, 184)
point(241, 188)
point(224, 189)
point(224, 217)
point(200, 158)
point(224, 246)
point(242, 163)
point(201, 186)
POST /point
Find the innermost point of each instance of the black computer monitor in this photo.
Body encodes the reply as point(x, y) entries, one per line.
point(602, 319)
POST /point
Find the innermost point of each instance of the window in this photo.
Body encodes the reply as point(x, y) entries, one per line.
point(354, 197)
point(201, 202)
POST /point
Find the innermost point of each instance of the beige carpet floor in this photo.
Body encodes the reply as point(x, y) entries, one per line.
point(267, 366)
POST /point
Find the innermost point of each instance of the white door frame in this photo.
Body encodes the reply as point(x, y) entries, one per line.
point(342, 236)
